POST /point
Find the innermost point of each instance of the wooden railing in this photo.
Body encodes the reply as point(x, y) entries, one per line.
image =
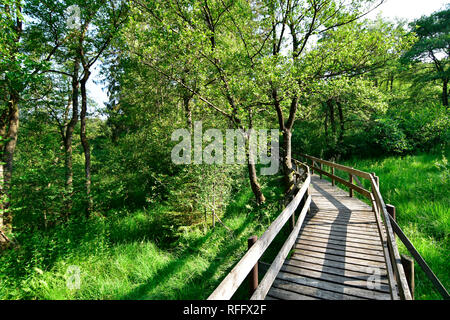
point(384, 216)
point(234, 279)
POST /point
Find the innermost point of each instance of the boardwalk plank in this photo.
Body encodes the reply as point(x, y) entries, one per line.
point(339, 258)
point(338, 252)
point(342, 237)
point(341, 243)
point(340, 279)
point(340, 232)
point(286, 293)
point(310, 293)
point(333, 287)
point(325, 267)
point(328, 245)
point(336, 265)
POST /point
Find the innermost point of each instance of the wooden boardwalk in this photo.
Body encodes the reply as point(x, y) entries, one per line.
point(338, 254)
point(339, 248)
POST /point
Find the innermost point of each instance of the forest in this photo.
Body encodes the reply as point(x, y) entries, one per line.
point(92, 190)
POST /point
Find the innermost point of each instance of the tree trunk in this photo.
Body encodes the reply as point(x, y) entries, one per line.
point(256, 188)
point(3, 119)
point(287, 159)
point(85, 142)
point(341, 122)
point(69, 136)
point(325, 125)
point(333, 125)
point(445, 93)
point(332, 119)
point(8, 156)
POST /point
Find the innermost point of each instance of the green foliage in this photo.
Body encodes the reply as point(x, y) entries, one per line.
point(387, 136)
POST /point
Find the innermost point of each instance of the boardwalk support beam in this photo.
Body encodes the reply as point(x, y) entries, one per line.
point(350, 179)
point(408, 266)
point(391, 210)
point(253, 275)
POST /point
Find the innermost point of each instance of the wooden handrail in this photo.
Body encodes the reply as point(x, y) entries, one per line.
point(276, 265)
point(234, 279)
point(404, 292)
point(353, 171)
point(389, 268)
point(416, 255)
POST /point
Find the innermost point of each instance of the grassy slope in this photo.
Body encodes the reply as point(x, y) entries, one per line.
point(417, 187)
point(126, 257)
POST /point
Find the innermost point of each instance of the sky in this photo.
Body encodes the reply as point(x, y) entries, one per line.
point(390, 9)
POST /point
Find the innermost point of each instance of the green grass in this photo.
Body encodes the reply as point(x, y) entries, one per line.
point(134, 255)
point(419, 187)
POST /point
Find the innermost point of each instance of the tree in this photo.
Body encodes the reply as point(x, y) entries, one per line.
point(433, 46)
point(294, 25)
point(219, 37)
point(17, 75)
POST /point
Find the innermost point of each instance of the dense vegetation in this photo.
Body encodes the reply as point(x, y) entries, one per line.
point(95, 186)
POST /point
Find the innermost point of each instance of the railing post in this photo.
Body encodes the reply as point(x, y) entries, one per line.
point(292, 219)
point(253, 275)
point(332, 179)
point(377, 180)
point(408, 266)
point(312, 166)
point(391, 210)
point(350, 179)
point(321, 168)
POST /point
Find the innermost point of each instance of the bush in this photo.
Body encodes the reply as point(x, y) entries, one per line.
point(386, 134)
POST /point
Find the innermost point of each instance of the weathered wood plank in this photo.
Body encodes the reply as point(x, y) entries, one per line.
point(333, 236)
point(337, 217)
point(349, 225)
point(333, 215)
point(338, 232)
point(340, 279)
point(341, 243)
point(354, 213)
point(338, 225)
point(345, 248)
point(335, 265)
point(342, 259)
point(311, 292)
point(282, 292)
point(271, 298)
point(324, 267)
point(333, 287)
point(309, 246)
